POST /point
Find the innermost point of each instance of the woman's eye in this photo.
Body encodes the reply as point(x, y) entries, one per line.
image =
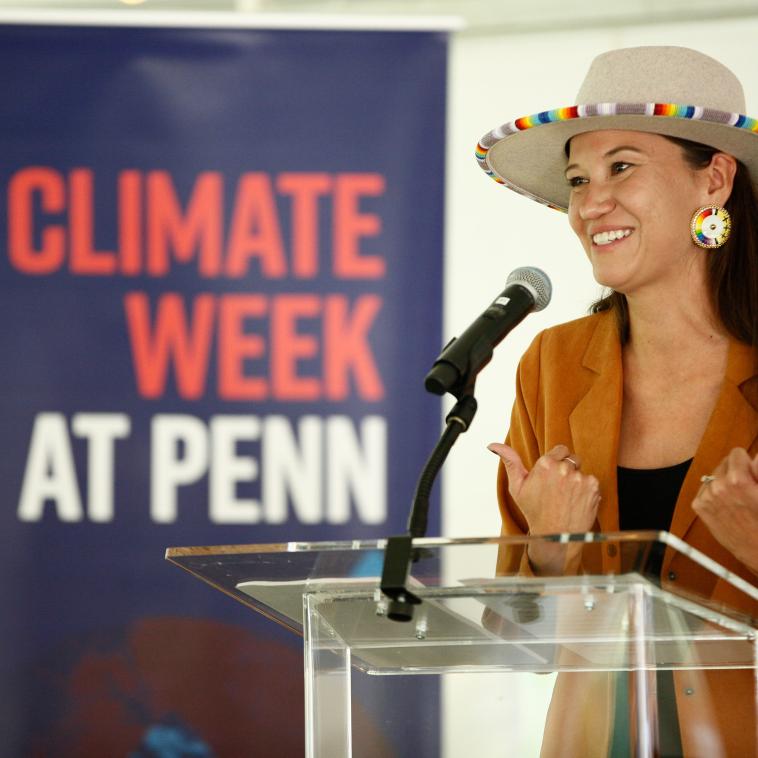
point(619, 167)
point(575, 181)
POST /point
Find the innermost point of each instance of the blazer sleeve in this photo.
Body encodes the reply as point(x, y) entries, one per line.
point(524, 437)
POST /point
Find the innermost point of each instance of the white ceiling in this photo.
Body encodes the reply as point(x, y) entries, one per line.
point(479, 16)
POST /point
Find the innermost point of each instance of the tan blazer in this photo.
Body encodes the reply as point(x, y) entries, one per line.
point(569, 391)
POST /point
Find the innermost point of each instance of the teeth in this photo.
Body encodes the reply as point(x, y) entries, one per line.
point(603, 238)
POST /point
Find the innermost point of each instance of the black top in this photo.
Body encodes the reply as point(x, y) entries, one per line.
point(647, 498)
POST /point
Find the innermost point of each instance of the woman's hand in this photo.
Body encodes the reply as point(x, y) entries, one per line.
point(555, 496)
point(728, 504)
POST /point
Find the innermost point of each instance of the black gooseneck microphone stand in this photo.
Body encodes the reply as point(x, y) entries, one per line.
point(399, 553)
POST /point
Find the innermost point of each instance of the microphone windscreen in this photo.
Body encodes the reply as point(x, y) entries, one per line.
point(537, 281)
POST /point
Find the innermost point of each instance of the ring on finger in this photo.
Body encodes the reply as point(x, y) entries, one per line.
point(571, 460)
point(707, 479)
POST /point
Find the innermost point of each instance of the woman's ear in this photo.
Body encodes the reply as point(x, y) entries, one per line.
point(721, 172)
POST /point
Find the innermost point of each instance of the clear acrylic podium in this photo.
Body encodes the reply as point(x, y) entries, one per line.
point(632, 656)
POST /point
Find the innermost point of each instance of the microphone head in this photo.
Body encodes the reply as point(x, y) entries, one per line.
point(536, 281)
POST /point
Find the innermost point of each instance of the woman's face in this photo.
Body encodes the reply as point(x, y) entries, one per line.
point(632, 199)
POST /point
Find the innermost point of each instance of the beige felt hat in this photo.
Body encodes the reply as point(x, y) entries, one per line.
point(673, 91)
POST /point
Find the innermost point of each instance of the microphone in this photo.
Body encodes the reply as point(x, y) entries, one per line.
point(527, 289)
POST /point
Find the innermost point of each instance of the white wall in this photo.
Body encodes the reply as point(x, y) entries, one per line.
point(491, 231)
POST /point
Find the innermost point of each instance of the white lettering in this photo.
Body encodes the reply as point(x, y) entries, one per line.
point(171, 435)
point(292, 467)
point(50, 473)
point(101, 431)
point(356, 471)
point(228, 469)
point(267, 469)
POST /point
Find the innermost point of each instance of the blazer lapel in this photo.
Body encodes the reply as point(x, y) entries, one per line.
point(596, 418)
point(733, 423)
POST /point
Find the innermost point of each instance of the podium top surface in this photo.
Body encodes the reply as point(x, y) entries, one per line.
point(468, 598)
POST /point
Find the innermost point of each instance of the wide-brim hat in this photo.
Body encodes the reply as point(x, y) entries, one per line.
point(672, 91)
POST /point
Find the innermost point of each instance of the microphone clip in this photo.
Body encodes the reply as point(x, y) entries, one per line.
point(451, 372)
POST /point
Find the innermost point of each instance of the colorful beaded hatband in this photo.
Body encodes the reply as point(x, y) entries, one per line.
point(528, 155)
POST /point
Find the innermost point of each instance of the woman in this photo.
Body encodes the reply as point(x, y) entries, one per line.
point(645, 414)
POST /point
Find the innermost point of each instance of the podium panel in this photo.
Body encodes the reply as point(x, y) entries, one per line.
point(631, 663)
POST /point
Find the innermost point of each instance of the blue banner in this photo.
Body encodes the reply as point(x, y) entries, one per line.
point(220, 289)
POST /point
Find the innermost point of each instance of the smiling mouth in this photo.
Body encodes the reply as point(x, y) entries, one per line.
point(605, 238)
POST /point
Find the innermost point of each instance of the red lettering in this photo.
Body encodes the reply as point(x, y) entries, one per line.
point(255, 229)
point(183, 340)
point(21, 251)
point(168, 229)
point(235, 346)
point(84, 258)
point(346, 347)
point(157, 229)
point(289, 347)
point(350, 225)
point(130, 187)
point(305, 190)
point(171, 340)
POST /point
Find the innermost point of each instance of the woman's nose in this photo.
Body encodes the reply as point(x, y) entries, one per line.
point(596, 201)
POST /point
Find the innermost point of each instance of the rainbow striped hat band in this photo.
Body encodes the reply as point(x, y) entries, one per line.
point(638, 89)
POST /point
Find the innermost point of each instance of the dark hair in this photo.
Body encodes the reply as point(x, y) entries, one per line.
point(732, 269)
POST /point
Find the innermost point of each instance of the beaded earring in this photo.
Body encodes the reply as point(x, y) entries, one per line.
point(710, 226)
